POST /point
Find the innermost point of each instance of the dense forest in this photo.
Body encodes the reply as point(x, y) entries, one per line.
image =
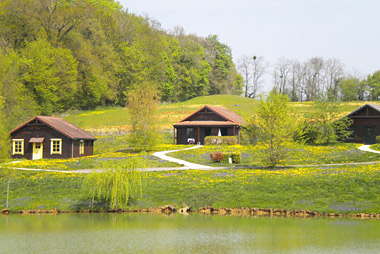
point(79, 54)
point(58, 55)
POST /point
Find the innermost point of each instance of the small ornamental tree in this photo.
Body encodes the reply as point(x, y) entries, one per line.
point(142, 102)
point(8, 174)
point(274, 125)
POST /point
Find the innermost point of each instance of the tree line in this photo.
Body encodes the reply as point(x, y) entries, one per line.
point(79, 54)
point(314, 79)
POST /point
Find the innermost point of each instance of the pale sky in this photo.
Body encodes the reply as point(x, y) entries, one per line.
point(296, 29)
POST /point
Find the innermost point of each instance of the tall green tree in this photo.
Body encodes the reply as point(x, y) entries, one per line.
point(192, 69)
point(373, 82)
point(4, 134)
point(223, 76)
point(275, 127)
point(350, 89)
point(18, 105)
point(49, 74)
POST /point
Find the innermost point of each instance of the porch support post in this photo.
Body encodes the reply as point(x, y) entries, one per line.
point(174, 137)
point(199, 138)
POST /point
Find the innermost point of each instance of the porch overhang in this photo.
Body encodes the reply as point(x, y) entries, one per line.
point(206, 124)
point(36, 140)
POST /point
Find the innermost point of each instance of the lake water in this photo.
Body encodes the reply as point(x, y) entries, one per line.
point(149, 233)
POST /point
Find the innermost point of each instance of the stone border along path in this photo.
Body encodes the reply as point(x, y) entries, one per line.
point(188, 165)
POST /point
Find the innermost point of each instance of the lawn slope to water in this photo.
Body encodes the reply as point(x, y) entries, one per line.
point(343, 189)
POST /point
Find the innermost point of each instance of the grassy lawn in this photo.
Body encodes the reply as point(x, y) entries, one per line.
point(115, 119)
point(298, 155)
point(375, 147)
point(343, 189)
point(107, 148)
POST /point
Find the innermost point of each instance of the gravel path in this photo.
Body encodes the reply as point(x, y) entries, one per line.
point(187, 165)
point(367, 149)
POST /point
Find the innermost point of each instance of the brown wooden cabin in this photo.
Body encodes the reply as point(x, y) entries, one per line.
point(50, 137)
point(208, 121)
point(366, 124)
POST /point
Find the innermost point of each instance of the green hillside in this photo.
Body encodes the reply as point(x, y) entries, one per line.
point(115, 119)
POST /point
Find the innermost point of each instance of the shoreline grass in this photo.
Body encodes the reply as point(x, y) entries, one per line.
point(343, 189)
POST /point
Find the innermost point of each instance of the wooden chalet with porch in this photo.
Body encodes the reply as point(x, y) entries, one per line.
point(365, 124)
point(50, 137)
point(208, 121)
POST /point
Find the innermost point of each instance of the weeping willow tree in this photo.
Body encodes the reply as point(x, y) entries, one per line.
point(116, 183)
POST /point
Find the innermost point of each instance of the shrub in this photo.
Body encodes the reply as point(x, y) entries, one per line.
point(216, 157)
point(312, 132)
point(236, 158)
point(342, 128)
point(224, 157)
point(377, 139)
point(250, 132)
point(306, 132)
point(221, 140)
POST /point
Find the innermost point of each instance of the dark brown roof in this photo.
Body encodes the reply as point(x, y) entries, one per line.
point(374, 106)
point(205, 123)
point(62, 126)
point(225, 113)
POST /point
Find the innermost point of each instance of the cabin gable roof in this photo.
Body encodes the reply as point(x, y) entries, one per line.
point(371, 106)
point(59, 124)
point(227, 116)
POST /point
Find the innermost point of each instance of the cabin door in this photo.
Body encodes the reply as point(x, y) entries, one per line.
point(37, 151)
point(369, 135)
point(205, 132)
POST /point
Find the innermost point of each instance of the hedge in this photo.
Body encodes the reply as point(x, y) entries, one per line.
point(221, 140)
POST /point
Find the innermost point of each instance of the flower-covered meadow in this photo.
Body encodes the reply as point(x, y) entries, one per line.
point(298, 154)
point(340, 189)
point(107, 148)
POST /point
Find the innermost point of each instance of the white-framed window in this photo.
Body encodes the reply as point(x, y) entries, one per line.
point(18, 146)
point(81, 147)
point(55, 146)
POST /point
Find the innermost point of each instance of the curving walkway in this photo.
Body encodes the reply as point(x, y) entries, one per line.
point(187, 165)
point(366, 148)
